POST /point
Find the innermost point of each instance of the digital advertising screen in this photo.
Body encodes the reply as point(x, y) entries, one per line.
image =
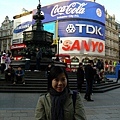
point(82, 45)
point(74, 9)
point(50, 27)
point(22, 24)
point(81, 28)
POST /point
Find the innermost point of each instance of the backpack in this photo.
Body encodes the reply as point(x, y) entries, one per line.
point(74, 95)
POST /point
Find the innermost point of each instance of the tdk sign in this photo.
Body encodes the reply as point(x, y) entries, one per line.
point(82, 29)
point(22, 27)
point(90, 29)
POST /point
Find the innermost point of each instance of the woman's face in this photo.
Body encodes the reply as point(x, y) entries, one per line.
point(59, 83)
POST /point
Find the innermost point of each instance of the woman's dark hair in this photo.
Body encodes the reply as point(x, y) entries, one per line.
point(54, 72)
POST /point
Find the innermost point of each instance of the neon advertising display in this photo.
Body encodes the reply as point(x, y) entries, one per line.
point(81, 26)
point(74, 9)
point(82, 37)
point(50, 27)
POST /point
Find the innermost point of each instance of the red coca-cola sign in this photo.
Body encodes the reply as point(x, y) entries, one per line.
point(17, 46)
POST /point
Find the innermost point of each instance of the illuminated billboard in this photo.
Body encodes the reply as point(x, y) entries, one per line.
point(21, 24)
point(82, 45)
point(82, 37)
point(74, 9)
point(50, 27)
point(80, 28)
point(24, 23)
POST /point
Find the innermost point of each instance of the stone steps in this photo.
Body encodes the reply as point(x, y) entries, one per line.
point(36, 82)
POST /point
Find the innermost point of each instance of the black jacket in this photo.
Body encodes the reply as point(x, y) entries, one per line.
point(89, 72)
point(80, 74)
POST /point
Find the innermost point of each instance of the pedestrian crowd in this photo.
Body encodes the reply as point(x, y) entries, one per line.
point(38, 57)
point(60, 102)
point(17, 76)
point(92, 74)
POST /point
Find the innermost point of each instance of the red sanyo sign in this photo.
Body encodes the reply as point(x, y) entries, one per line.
point(77, 45)
point(99, 46)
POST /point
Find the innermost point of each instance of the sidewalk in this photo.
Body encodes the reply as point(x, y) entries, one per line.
point(21, 106)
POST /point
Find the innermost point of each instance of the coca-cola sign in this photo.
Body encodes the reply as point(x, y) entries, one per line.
point(71, 9)
point(74, 9)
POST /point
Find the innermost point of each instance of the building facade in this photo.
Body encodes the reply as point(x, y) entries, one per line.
point(91, 27)
point(112, 43)
point(118, 24)
point(112, 39)
point(6, 34)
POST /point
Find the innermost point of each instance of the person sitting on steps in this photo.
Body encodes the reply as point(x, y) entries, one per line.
point(9, 74)
point(19, 74)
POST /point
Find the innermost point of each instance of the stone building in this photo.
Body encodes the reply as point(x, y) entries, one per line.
point(111, 41)
point(6, 34)
point(112, 38)
point(118, 22)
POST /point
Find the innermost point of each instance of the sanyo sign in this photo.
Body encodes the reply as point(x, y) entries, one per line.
point(82, 45)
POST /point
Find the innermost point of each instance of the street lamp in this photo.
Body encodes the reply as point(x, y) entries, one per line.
point(58, 44)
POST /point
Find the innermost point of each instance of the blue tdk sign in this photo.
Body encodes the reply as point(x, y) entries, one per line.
point(81, 29)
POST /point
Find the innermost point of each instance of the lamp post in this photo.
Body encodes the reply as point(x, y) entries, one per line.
point(58, 39)
point(58, 44)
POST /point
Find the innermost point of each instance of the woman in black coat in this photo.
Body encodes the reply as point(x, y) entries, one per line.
point(9, 74)
point(80, 77)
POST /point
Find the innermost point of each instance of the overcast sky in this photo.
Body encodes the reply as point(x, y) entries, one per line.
point(13, 7)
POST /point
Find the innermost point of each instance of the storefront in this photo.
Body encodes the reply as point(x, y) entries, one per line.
point(17, 50)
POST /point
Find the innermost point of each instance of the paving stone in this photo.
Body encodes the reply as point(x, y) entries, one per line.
point(1, 118)
point(11, 118)
point(27, 118)
point(20, 114)
point(106, 106)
